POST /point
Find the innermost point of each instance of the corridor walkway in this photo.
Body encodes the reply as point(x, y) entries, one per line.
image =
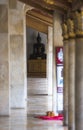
point(38, 102)
point(20, 121)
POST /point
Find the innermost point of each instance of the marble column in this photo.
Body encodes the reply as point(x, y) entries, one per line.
point(65, 87)
point(71, 85)
point(49, 66)
point(79, 85)
point(79, 71)
point(49, 59)
point(4, 60)
point(65, 64)
point(57, 41)
point(71, 74)
point(17, 55)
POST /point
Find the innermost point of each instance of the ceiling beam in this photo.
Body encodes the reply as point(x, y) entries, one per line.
point(47, 7)
point(55, 3)
point(41, 20)
point(39, 7)
point(41, 17)
point(35, 24)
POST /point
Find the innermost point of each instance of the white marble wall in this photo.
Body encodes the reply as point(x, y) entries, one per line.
point(39, 104)
point(37, 86)
point(38, 101)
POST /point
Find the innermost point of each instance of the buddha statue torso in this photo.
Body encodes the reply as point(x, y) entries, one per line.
point(38, 49)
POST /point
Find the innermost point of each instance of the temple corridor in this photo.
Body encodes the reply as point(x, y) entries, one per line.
point(19, 120)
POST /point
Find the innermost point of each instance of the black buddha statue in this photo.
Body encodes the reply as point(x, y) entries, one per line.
point(38, 49)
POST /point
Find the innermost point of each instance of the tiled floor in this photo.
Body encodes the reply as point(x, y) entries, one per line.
point(20, 121)
point(38, 103)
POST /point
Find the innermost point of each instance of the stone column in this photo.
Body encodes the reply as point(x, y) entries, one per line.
point(17, 55)
point(57, 41)
point(79, 84)
point(49, 66)
point(65, 86)
point(49, 59)
point(4, 60)
point(71, 77)
point(79, 72)
point(71, 86)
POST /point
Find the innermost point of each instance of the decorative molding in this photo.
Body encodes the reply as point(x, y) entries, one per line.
point(65, 31)
point(71, 28)
point(51, 2)
point(78, 20)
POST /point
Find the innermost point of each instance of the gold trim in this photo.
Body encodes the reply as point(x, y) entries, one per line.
point(72, 35)
point(51, 2)
point(71, 28)
point(65, 37)
point(79, 33)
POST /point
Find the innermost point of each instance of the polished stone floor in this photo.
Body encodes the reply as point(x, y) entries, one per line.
point(20, 121)
point(38, 102)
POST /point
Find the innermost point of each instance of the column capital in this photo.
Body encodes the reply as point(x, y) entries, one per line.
point(65, 31)
point(78, 23)
point(71, 28)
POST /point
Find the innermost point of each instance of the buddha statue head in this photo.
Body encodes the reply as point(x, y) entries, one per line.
point(38, 38)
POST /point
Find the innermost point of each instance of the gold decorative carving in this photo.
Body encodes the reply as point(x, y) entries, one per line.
point(71, 28)
point(78, 19)
point(51, 2)
point(64, 31)
point(70, 1)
